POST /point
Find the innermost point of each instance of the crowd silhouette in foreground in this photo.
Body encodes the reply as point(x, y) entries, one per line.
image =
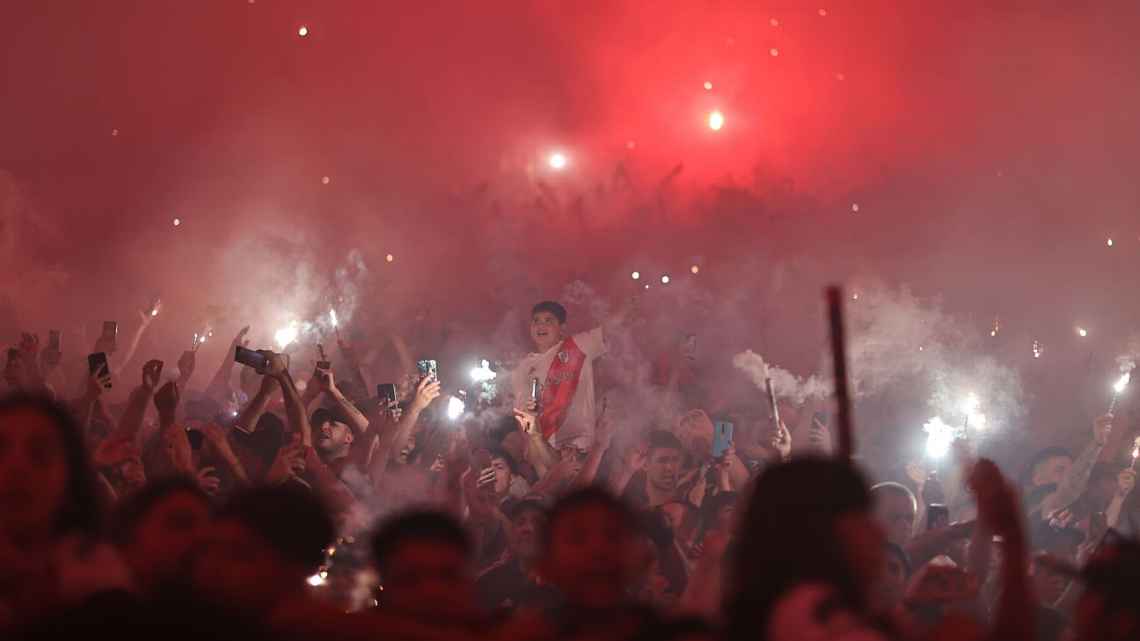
point(259, 506)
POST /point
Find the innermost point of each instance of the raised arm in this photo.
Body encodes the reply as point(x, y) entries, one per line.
point(220, 383)
point(251, 413)
point(1073, 485)
point(394, 438)
point(145, 319)
point(130, 423)
point(174, 440)
point(295, 414)
point(324, 381)
point(1000, 514)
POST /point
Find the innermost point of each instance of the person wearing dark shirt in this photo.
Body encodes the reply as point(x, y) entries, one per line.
point(511, 583)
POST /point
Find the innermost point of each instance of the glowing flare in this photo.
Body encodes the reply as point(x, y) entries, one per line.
point(773, 52)
point(325, 180)
point(1037, 349)
point(177, 222)
point(855, 207)
point(939, 438)
point(389, 258)
point(665, 280)
point(483, 372)
point(286, 335)
point(1108, 242)
point(154, 312)
point(303, 31)
point(318, 579)
point(716, 120)
point(1122, 383)
point(708, 86)
point(774, 22)
point(558, 161)
point(696, 269)
point(333, 318)
point(635, 275)
point(823, 13)
point(1082, 332)
point(455, 408)
point(971, 404)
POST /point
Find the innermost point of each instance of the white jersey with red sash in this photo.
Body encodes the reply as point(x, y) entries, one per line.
point(567, 376)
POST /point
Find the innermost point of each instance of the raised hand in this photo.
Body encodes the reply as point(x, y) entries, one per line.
point(289, 462)
point(526, 421)
point(186, 364)
point(998, 506)
point(426, 391)
point(209, 481)
point(151, 372)
point(166, 402)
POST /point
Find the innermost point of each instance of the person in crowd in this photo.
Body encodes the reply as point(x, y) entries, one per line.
point(258, 550)
point(564, 367)
point(593, 554)
point(654, 478)
point(424, 560)
point(512, 581)
point(895, 508)
point(1054, 480)
point(1108, 609)
point(50, 550)
point(157, 527)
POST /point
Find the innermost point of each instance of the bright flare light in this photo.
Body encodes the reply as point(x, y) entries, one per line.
point(558, 161)
point(1108, 242)
point(696, 269)
point(303, 31)
point(635, 275)
point(974, 418)
point(286, 335)
point(1122, 383)
point(389, 258)
point(716, 120)
point(455, 408)
point(1082, 332)
point(708, 86)
point(317, 579)
point(939, 438)
point(333, 318)
point(177, 222)
point(483, 373)
point(664, 280)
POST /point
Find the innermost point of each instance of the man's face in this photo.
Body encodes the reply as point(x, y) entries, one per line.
point(335, 439)
point(895, 512)
point(162, 539)
point(33, 471)
point(405, 453)
point(429, 578)
point(545, 331)
point(502, 476)
point(523, 537)
point(1051, 471)
point(662, 468)
point(592, 557)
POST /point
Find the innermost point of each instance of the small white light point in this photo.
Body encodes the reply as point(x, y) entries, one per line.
point(303, 31)
point(855, 207)
point(774, 22)
point(716, 120)
point(114, 132)
point(558, 161)
point(635, 275)
point(1082, 332)
point(325, 180)
point(665, 280)
point(647, 287)
point(773, 52)
point(389, 258)
point(855, 296)
point(177, 222)
point(708, 86)
point(696, 269)
point(1108, 242)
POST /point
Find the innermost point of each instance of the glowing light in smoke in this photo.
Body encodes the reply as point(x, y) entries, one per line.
point(558, 161)
point(389, 258)
point(696, 269)
point(325, 180)
point(177, 222)
point(635, 275)
point(1108, 242)
point(716, 120)
point(1082, 332)
point(318, 579)
point(154, 312)
point(333, 318)
point(1037, 349)
point(708, 86)
point(855, 207)
point(286, 335)
point(774, 22)
point(114, 132)
point(840, 76)
point(974, 418)
point(483, 373)
point(1122, 383)
point(823, 13)
point(303, 31)
point(939, 437)
point(996, 327)
point(855, 296)
point(773, 52)
point(455, 408)
point(665, 280)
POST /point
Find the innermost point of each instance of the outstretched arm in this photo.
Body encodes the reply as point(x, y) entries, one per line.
point(1074, 483)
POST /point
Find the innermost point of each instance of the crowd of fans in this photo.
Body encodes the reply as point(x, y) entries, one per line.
point(255, 505)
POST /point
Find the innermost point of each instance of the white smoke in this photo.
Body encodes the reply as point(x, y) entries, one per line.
point(786, 384)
